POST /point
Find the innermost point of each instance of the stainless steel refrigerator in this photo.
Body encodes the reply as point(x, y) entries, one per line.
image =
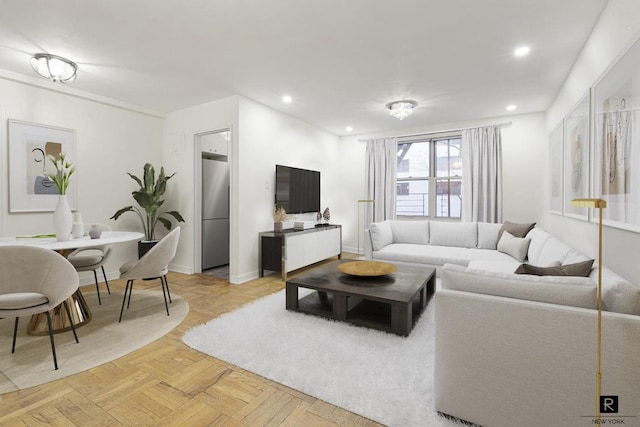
point(215, 212)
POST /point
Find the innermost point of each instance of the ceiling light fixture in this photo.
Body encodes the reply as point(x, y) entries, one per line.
point(401, 109)
point(54, 68)
point(287, 99)
point(522, 51)
point(511, 107)
point(348, 129)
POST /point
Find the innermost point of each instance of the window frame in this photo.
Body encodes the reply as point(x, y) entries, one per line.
point(432, 178)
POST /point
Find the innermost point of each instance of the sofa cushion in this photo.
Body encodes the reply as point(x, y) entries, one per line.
point(572, 291)
point(381, 234)
point(423, 254)
point(574, 256)
point(488, 235)
point(515, 246)
point(538, 237)
point(416, 232)
point(553, 250)
point(580, 269)
point(460, 234)
point(618, 294)
point(517, 230)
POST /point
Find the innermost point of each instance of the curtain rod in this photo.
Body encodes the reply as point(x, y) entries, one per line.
point(503, 124)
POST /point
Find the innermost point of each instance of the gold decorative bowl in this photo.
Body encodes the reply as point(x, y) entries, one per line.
point(367, 268)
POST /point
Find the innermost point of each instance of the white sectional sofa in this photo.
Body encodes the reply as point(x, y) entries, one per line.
point(519, 349)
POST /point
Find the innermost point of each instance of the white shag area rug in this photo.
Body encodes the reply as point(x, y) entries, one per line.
point(381, 376)
point(101, 340)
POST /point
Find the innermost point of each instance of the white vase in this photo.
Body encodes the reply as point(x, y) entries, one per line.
point(62, 219)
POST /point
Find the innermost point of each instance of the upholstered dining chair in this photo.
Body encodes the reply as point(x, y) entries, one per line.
point(35, 280)
point(152, 265)
point(92, 259)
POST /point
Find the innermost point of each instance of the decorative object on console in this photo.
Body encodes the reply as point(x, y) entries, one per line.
point(279, 216)
point(401, 109)
point(599, 204)
point(326, 215)
point(303, 225)
point(54, 68)
point(149, 197)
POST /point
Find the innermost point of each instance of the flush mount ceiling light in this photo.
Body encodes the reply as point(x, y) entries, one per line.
point(522, 51)
point(54, 68)
point(401, 109)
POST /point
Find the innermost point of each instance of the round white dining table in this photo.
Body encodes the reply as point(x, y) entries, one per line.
point(80, 311)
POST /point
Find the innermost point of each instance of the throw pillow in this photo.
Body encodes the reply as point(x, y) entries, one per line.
point(516, 230)
point(515, 246)
point(582, 269)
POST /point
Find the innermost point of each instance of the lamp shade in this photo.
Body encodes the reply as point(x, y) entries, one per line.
point(54, 68)
point(589, 203)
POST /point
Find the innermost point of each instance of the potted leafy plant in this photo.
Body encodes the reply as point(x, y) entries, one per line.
point(149, 197)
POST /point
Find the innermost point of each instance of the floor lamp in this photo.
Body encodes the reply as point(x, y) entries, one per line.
point(359, 202)
point(596, 204)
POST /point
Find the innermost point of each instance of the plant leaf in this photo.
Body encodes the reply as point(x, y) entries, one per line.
point(121, 211)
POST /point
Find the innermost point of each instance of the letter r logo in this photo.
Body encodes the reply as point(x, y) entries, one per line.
point(609, 404)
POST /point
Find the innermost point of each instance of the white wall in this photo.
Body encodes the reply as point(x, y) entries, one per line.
point(523, 148)
point(617, 28)
point(261, 137)
point(179, 156)
point(267, 138)
point(110, 141)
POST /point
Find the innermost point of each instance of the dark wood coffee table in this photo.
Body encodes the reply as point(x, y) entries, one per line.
point(390, 303)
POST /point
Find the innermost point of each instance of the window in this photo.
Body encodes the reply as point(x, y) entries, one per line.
point(429, 178)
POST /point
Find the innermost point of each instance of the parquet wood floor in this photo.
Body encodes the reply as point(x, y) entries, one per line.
point(166, 383)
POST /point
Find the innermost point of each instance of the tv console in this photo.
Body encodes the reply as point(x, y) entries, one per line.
point(291, 249)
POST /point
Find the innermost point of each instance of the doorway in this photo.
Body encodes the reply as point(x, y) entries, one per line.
point(213, 210)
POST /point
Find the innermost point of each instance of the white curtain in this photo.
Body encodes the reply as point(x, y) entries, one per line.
point(380, 184)
point(482, 174)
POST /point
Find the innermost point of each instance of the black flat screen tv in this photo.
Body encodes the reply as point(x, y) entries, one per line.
point(297, 190)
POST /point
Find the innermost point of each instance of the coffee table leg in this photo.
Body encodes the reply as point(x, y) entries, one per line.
point(340, 306)
point(401, 319)
point(292, 297)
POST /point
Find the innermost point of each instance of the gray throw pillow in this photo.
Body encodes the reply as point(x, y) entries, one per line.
point(516, 230)
point(517, 247)
point(582, 269)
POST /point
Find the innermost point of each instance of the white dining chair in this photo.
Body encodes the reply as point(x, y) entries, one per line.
point(153, 265)
point(92, 259)
point(35, 280)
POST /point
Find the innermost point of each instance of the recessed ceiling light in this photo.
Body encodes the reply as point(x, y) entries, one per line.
point(511, 107)
point(348, 129)
point(522, 51)
point(287, 99)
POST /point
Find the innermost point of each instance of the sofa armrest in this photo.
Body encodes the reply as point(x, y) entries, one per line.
point(504, 361)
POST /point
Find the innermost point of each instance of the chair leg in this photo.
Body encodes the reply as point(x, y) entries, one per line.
point(105, 280)
point(95, 276)
point(15, 332)
point(166, 282)
point(124, 298)
point(73, 327)
point(130, 292)
point(53, 345)
point(164, 295)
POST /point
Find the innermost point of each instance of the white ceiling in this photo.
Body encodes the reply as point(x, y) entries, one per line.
point(340, 60)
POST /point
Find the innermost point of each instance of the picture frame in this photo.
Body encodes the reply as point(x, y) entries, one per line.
point(616, 111)
point(29, 145)
point(556, 169)
point(576, 157)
